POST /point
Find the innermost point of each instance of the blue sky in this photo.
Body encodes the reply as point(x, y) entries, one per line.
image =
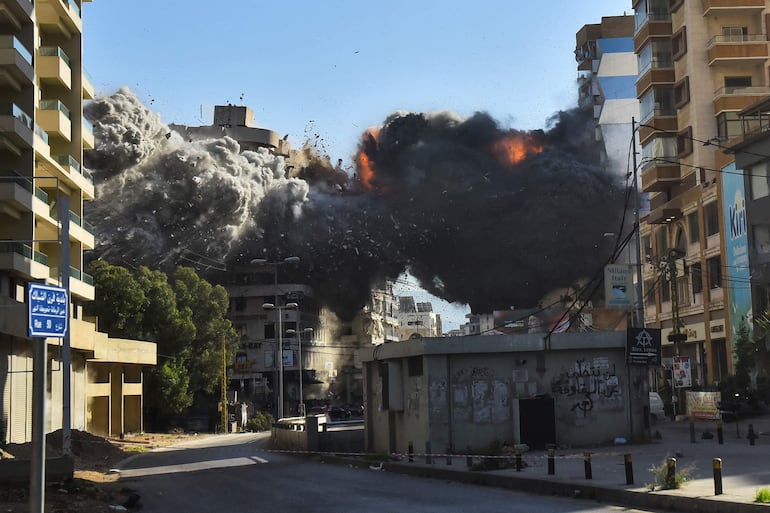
point(327, 70)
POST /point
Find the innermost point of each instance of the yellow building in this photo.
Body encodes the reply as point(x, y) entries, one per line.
point(43, 188)
point(700, 64)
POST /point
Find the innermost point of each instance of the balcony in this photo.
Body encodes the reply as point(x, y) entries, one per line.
point(81, 283)
point(16, 68)
point(16, 127)
point(16, 13)
point(61, 17)
point(738, 98)
point(737, 49)
point(53, 66)
point(15, 194)
point(658, 73)
point(662, 119)
point(660, 176)
point(23, 259)
point(88, 135)
point(722, 7)
point(88, 86)
point(655, 26)
point(54, 118)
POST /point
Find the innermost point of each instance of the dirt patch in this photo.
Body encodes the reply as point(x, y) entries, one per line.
point(94, 488)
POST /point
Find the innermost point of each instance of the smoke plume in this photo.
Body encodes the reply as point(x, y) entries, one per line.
point(479, 214)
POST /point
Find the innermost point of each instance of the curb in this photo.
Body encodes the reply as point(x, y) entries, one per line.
point(539, 486)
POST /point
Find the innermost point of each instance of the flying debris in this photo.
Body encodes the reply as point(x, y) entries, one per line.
point(479, 214)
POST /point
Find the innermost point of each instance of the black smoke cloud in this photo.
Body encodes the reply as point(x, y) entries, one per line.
point(471, 228)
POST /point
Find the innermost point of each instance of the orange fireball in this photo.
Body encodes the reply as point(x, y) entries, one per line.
point(514, 147)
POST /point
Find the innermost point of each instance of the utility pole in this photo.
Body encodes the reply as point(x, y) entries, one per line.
point(224, 416)
point(676, 336)
point(637, 207)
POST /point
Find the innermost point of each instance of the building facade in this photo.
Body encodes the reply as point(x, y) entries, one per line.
point(417, 319)
point(700, 64)
point(43, 233)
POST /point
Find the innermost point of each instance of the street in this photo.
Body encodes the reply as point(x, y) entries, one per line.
point(234, 474)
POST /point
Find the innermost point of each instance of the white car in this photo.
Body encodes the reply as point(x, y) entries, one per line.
point(657, 411)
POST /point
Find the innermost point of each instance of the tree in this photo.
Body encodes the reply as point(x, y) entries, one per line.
point(185, 316)
point(743, 351)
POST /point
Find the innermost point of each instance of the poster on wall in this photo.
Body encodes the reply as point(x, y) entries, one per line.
point(619, 286)
point(682, 372)
point(703, 405)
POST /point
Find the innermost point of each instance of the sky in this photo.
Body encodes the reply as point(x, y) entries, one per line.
point(324, 72)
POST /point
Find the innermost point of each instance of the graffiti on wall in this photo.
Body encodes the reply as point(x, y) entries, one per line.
point(491, 403)
point(591, 386)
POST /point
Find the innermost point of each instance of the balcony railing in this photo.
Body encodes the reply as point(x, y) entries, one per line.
point(41, 133)
point(55, 105)
point(69, 161)
point(24, 250)
point(72, 4)
point(55, 51)
point(737, 38)
point(11, 109)
point(743, 90)
point(12, 42)
point(88, 126)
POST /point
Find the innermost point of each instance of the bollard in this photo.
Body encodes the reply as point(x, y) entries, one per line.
point(551, 469)
point(468, 457)
point(411, 452)
point(720, 433)
point(587, 465)
point(692, 432)
point(629, 464)
point(671, 473)
point(448, 455)
point(518, 461)
point(751, 436)
point(428, 458)
point(717, 464)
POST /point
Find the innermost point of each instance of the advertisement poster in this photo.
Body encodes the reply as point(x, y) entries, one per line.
point(682, 374)
point(703, 405)
point(736, 265)
point(619, 286)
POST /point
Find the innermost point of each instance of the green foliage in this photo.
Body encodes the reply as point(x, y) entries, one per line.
point(744, 349)
point(664, 481)
point(183, 314)
point(261, 421)
point(762, 495)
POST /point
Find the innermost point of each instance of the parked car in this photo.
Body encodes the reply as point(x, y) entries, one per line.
point(657, 410)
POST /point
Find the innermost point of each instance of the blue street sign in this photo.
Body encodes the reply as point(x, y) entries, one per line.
point(48, 310)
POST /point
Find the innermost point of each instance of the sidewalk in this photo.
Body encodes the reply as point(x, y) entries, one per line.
point(745, 469)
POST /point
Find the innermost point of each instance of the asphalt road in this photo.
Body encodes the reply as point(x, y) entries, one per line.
point(233, 474)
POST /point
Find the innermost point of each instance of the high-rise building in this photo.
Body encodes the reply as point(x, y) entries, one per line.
point(43, 232)
point(606, 85)
point(700, 64)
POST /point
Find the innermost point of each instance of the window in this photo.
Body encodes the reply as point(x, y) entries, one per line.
point(715, 272)
point(693, 228)
point(269, 330)
point(733, 83)
point(682, 92)
point(696, 278)
point(734, 34)
point(762, 239)
point(760, 188)
point(659, 101)
point(658, 148)
point(414, 365)
point(679, 43)
point(684, 142)
point(649, 292)
point(240, 304)
point(728, 125)
point(662, 241)
point(646, 246)
point(712, 219)
point(654, 55)
point(665, 287)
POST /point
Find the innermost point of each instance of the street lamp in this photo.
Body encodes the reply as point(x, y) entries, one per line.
point(279, 310)
point(301, 407)
point(265, 263)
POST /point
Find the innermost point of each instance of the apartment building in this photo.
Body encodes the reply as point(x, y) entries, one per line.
point(417, 319)
point(606, 84)
point(700, 64)
point(43, 232)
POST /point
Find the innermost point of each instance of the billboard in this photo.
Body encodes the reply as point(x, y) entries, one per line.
point(736, 260)
point(619, 286)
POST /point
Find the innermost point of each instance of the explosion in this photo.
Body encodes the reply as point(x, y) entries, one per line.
point(435, 194)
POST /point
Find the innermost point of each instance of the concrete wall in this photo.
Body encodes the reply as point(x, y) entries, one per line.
point(468, 388)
